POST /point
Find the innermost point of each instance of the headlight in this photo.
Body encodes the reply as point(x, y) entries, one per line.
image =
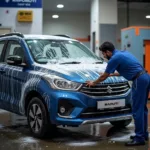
point(130, 83)
point(61, 83)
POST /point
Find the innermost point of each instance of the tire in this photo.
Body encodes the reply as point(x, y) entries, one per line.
point(122, 123)
point(38, 119)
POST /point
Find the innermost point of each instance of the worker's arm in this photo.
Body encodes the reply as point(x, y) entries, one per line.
point(110, 69)
point(100, 79)
point(112, 74)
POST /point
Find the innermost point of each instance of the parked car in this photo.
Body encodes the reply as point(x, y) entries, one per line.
point(43, 77)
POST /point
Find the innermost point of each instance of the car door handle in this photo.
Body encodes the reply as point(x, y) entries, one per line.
point(2, 71)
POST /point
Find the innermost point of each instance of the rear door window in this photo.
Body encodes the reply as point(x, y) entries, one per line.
point(2, 44)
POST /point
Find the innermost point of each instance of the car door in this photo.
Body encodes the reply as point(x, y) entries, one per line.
point(13, 78)
point(2, 46)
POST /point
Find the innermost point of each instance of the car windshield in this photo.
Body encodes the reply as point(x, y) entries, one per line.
point(61, 51)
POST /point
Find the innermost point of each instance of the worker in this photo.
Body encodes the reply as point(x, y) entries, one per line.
point(129, 67)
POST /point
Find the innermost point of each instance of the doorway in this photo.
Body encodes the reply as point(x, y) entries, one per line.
point(147, 57)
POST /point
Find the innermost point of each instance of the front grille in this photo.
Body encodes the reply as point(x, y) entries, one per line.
point(93, 112)
point(114, 89)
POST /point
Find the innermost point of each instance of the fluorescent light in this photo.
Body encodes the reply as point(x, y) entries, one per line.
point(60, 6)
point(148, 16)
point(55, 16)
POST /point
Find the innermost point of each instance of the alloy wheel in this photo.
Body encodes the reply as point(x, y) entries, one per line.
point(35, 118)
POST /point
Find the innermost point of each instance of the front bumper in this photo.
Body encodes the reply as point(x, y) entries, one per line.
point(79, 121)
point(81, 103)
point(118, 118)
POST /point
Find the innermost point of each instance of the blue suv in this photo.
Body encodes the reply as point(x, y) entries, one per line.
point(43, 77)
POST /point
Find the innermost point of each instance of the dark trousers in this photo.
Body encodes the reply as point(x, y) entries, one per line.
point(140, 90)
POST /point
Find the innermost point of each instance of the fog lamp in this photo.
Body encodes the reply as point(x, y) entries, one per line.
point(62, 110)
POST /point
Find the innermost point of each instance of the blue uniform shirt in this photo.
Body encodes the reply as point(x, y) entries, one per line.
point(125, 63)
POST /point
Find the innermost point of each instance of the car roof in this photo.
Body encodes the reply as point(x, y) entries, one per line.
point(35, 36)
point(31, 36)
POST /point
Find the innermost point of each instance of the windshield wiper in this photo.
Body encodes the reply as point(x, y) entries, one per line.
point(71, 62)
point(98, 62)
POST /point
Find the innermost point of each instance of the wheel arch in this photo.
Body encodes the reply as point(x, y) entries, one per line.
point(28, 98)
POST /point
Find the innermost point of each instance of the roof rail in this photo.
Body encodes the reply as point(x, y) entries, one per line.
point(11, 34)
point(63, 35)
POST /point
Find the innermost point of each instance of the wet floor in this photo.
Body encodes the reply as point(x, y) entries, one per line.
point(15, 135)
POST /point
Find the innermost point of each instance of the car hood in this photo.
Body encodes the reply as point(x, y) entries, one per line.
point(79, 72)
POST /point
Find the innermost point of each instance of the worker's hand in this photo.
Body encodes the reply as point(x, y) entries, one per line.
point(90, 83)
point(114, 74)
point(111, 74)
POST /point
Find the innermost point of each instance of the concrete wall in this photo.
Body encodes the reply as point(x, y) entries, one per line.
point(108, 19)
point(108, 33)
point(76, 25)
point(108, 9)
point(10, 20)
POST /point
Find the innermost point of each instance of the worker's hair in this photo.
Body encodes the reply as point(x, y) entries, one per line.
point(107, 46)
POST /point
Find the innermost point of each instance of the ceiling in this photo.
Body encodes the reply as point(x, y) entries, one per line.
point(84, 5)
point(69, 5)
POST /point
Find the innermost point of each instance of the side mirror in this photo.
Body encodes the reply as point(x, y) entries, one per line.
point(14, 60)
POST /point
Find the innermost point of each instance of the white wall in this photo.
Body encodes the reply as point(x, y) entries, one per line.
point(10, 20)
point(108, 12)
point(76, 25)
